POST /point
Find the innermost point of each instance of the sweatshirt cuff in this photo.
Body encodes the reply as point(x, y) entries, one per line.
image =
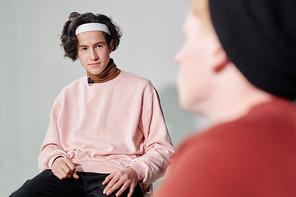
point(139, 169)
point(50, 162)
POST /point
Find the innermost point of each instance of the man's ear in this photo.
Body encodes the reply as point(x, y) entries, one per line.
point(111, 45)
point(220, 59)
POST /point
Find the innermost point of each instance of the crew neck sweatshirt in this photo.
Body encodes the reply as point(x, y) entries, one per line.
point(108, 126)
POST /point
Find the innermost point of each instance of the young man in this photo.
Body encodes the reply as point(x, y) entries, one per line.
point(107, 134)
point(237, 67)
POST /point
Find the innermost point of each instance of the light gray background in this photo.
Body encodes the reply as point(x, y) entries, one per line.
point(33, 70)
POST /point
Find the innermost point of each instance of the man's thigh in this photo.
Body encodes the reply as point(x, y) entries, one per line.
point(94, 187)
point(46, 184)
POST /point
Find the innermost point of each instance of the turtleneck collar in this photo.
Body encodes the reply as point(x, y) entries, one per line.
point(109, 73)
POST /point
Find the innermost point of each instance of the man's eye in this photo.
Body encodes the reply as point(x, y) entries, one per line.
point(99, 46)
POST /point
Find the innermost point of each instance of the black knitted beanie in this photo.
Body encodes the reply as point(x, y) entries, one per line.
point(259, 37)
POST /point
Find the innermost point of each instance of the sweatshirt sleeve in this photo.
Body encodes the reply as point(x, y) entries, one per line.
point(159, 150)
point(51, 147)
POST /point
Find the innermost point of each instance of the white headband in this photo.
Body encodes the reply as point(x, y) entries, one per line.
point(92, 27)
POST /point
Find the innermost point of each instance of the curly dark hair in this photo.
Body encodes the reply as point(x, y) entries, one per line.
point(69, 39)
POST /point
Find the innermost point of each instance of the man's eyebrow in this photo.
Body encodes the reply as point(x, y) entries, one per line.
point(101, 42)
point(82, 46)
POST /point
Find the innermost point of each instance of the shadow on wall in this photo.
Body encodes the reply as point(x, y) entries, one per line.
point(179, 122)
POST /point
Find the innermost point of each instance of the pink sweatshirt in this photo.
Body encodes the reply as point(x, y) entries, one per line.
point(108, 126)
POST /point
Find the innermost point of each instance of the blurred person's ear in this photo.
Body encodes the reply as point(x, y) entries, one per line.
point(220, 59)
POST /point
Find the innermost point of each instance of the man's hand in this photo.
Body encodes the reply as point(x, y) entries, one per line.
point(122, 180)
point(64, 168)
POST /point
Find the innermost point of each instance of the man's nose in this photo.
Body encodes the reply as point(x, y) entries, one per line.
point(93, 55)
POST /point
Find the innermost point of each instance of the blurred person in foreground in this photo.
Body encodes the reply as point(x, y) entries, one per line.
point(237, 67)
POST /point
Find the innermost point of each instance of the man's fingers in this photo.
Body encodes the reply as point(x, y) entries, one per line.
point(58, 171)
point(124, 187)
point(65, 171)
point(61, 174)
point(114, 186)
point(57, 174)
point(70, 164)
point(108, 178)
point(131, 190)
point(64, 168)
point(121, 180)
point(110, 185)
point(75, 175)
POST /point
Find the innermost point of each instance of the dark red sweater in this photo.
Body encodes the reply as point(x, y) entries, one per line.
point(252, 156)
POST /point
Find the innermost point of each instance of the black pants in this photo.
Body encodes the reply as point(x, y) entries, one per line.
point(46, 184)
